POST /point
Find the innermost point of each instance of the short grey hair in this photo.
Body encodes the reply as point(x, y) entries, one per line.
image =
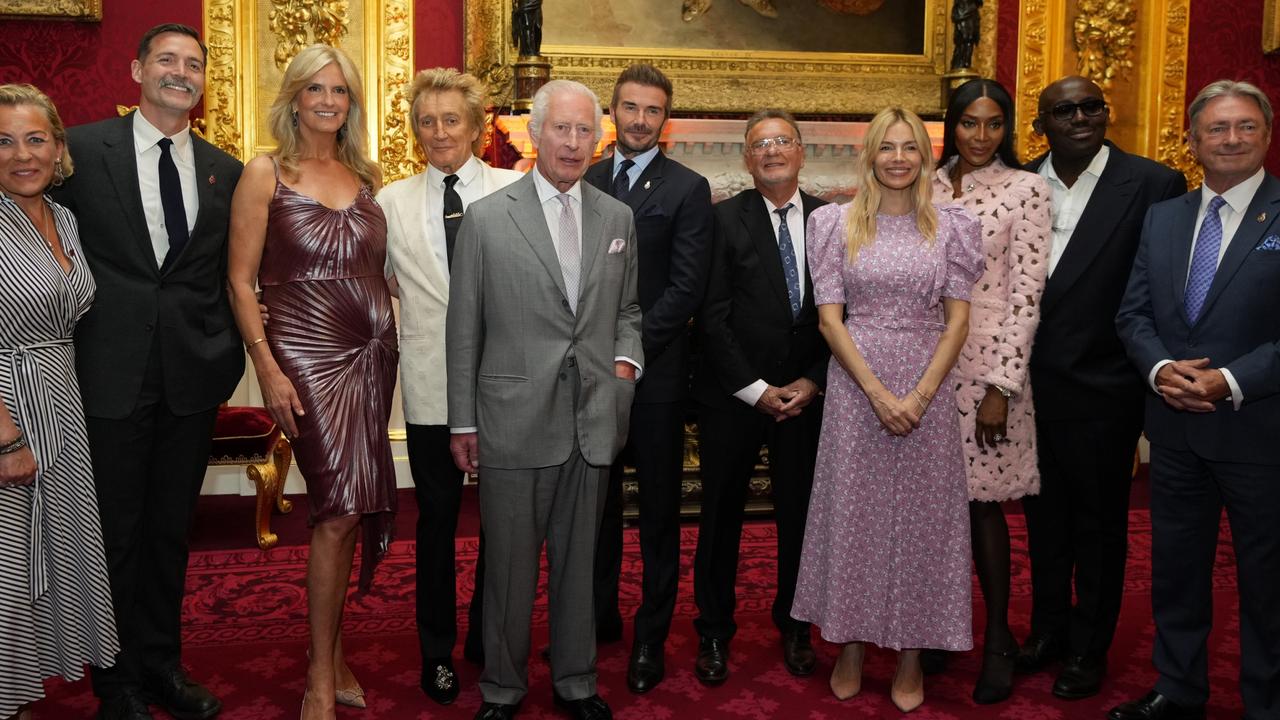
point(542, 103)
point(1225, 88)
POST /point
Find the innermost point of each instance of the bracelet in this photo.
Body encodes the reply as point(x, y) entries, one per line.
point(921, 399)
point(1007, 393)
point(14, 446)
point(249, 346)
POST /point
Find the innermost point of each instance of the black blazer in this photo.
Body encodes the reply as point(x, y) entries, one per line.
point(1238, 328)
point(1078, 365)
point(745, 329)
point(185, 307)
point(672, 207)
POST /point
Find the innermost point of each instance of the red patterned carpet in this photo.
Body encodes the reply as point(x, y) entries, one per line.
point(245, 638)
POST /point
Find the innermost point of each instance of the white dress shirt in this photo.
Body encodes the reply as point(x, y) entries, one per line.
point(470, 187)
point(147, 152)
point(1068, 203)
point(795, 223)
point(1231, 213)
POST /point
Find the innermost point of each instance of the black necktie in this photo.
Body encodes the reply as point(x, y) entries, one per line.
point(621, 181)
point(452, 215)
point(175, 213)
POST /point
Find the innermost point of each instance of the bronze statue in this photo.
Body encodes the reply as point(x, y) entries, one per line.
point(526, 27)
point(968, 28)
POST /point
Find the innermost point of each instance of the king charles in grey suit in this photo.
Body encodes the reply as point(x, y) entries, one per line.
point(1199, 321)
point(543, 349)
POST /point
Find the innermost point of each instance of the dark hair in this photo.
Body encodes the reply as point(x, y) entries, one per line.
point(961, 99)
point(144, 45)
point(771, 114)
point(643, 74)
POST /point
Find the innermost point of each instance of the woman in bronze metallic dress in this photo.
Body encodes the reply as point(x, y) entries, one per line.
point(305, 226)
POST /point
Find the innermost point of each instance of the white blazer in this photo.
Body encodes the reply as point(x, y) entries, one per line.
point(424, 292)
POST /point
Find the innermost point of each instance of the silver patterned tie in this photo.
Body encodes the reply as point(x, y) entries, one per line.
point(569, 252)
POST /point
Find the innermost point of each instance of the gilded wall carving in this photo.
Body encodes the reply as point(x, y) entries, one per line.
point(84, 10)
point(1104, 36)
point(299, 23)
point(1171, 148)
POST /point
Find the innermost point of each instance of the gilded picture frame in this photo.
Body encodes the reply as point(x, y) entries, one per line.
point(81, 10)
point(826, 83)
point(1271, 26)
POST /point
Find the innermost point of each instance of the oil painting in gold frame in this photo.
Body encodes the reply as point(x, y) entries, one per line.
point(82, 10)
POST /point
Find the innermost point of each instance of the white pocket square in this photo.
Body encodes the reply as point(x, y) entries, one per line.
point(617, 246)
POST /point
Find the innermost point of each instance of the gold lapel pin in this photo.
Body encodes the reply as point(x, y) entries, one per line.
point(646, 184)
point(1262, 217)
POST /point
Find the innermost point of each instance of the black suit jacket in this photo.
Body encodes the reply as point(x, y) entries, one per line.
point(1078, 365)
point(672, 207)
point(746, 332)
point(185, 306)
point(1238, 328)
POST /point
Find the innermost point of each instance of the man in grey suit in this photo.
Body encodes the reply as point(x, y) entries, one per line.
point(543, 350)
point(155, 356)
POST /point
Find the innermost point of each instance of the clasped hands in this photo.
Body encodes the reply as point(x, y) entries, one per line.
point(899, 415)
point(787, 401)
point(1191, 385)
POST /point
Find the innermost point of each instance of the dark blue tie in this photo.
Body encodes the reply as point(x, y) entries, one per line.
point(622, 181)
point(1204, 262)
point(175, 213)
point(788, 254)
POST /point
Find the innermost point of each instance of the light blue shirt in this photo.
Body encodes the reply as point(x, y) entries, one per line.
point(634, 172)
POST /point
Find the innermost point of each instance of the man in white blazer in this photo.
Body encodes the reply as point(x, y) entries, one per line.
point(543, 354)
point(423, 214)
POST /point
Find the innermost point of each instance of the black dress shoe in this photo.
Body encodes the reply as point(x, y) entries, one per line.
point(995, 679)
point(496, 711)
point(179, 695)
point(588, 708)
point(1155, 707)
point(933, 661)
point(797, 652)
point(646, 669)
point(439, 681)
point(1081, 677)
point(712, 666)
point(1038, 652)
point(125, 706)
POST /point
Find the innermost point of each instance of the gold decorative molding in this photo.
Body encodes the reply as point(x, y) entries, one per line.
point(1042, 40)
point(731, 81)
point(82, 10)
point(299, 23)
point(223, 104)
point(984, 56)
point(392, 55)
point(1104, 36)
point(1271, 26)
point(1168, 136)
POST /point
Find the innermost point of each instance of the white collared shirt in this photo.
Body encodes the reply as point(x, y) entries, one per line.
point(1068, 203)
point(147, 152)
point(548, 196)
point(470, 187)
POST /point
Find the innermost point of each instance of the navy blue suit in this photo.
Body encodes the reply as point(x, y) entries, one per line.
point(1201, 462)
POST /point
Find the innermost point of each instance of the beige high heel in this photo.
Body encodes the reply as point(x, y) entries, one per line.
point(907, 694)
point(351, 697)
point(846, 676)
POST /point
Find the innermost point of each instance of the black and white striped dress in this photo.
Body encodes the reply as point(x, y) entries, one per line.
point(55, 598)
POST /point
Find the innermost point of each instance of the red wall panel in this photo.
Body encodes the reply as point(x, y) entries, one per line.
point(1007, 44)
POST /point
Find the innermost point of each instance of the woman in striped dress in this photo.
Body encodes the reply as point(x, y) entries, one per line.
point(55, 600)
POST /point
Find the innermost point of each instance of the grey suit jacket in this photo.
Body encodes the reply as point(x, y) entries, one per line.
point(514, 345)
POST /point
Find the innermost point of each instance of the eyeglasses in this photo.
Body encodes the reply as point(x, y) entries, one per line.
point(782, 142)
point(1063, 112)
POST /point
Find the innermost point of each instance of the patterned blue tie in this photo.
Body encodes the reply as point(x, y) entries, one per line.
point(1204, 263)
point(622, 181)
point(788, 254)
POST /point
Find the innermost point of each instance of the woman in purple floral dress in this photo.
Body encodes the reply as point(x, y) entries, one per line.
point(886, 548)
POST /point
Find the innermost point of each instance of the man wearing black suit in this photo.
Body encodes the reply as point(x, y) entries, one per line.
point(672, 206)
point(155, 356)
point(1087, 395)
point(761, 370)
point(1199, 322)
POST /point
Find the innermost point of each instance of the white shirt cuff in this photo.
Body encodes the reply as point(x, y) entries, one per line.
point(751, 393)
point(462, 430)
point(1237, 396)
point(1151, 376)
point(632, 363)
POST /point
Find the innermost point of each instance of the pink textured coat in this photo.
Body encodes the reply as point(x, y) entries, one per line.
point(1013, 206)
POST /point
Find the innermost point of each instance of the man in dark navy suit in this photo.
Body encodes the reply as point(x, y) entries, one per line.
point(1199, 321)
point(672, 206)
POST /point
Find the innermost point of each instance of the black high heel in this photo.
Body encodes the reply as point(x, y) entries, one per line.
point(995, 680)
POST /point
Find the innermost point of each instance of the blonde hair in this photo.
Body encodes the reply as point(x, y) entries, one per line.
point(353, 141)
point(861, 224)
point(440, 80)
point(13, 95)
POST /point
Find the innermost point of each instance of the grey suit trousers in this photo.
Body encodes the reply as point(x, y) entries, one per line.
point(519, 509)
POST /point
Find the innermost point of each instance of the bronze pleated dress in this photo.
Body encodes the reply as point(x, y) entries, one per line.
point(334, 336)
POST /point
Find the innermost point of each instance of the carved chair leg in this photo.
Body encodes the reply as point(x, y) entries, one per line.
point(264, 477)
point(281, 456)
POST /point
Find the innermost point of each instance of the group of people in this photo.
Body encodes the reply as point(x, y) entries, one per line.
point(884, 351)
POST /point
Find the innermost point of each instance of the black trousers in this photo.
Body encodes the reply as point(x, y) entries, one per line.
point(729, 443)
point(148, 469)
point(437, 485)
point(1078, 528)
point(656, 449)
point(1188, 494)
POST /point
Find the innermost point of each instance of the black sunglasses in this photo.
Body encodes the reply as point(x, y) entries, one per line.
point(1063, 112)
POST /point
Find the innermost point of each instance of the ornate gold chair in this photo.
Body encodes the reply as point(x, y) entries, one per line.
point(248, 436)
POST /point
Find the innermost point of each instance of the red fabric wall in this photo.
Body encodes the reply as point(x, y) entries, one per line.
point(1007, 44)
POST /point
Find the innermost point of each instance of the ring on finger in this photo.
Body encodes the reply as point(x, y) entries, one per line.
point(998, 437)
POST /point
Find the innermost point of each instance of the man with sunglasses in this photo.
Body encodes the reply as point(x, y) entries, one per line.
point(1088, 398)
point(762, 366)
